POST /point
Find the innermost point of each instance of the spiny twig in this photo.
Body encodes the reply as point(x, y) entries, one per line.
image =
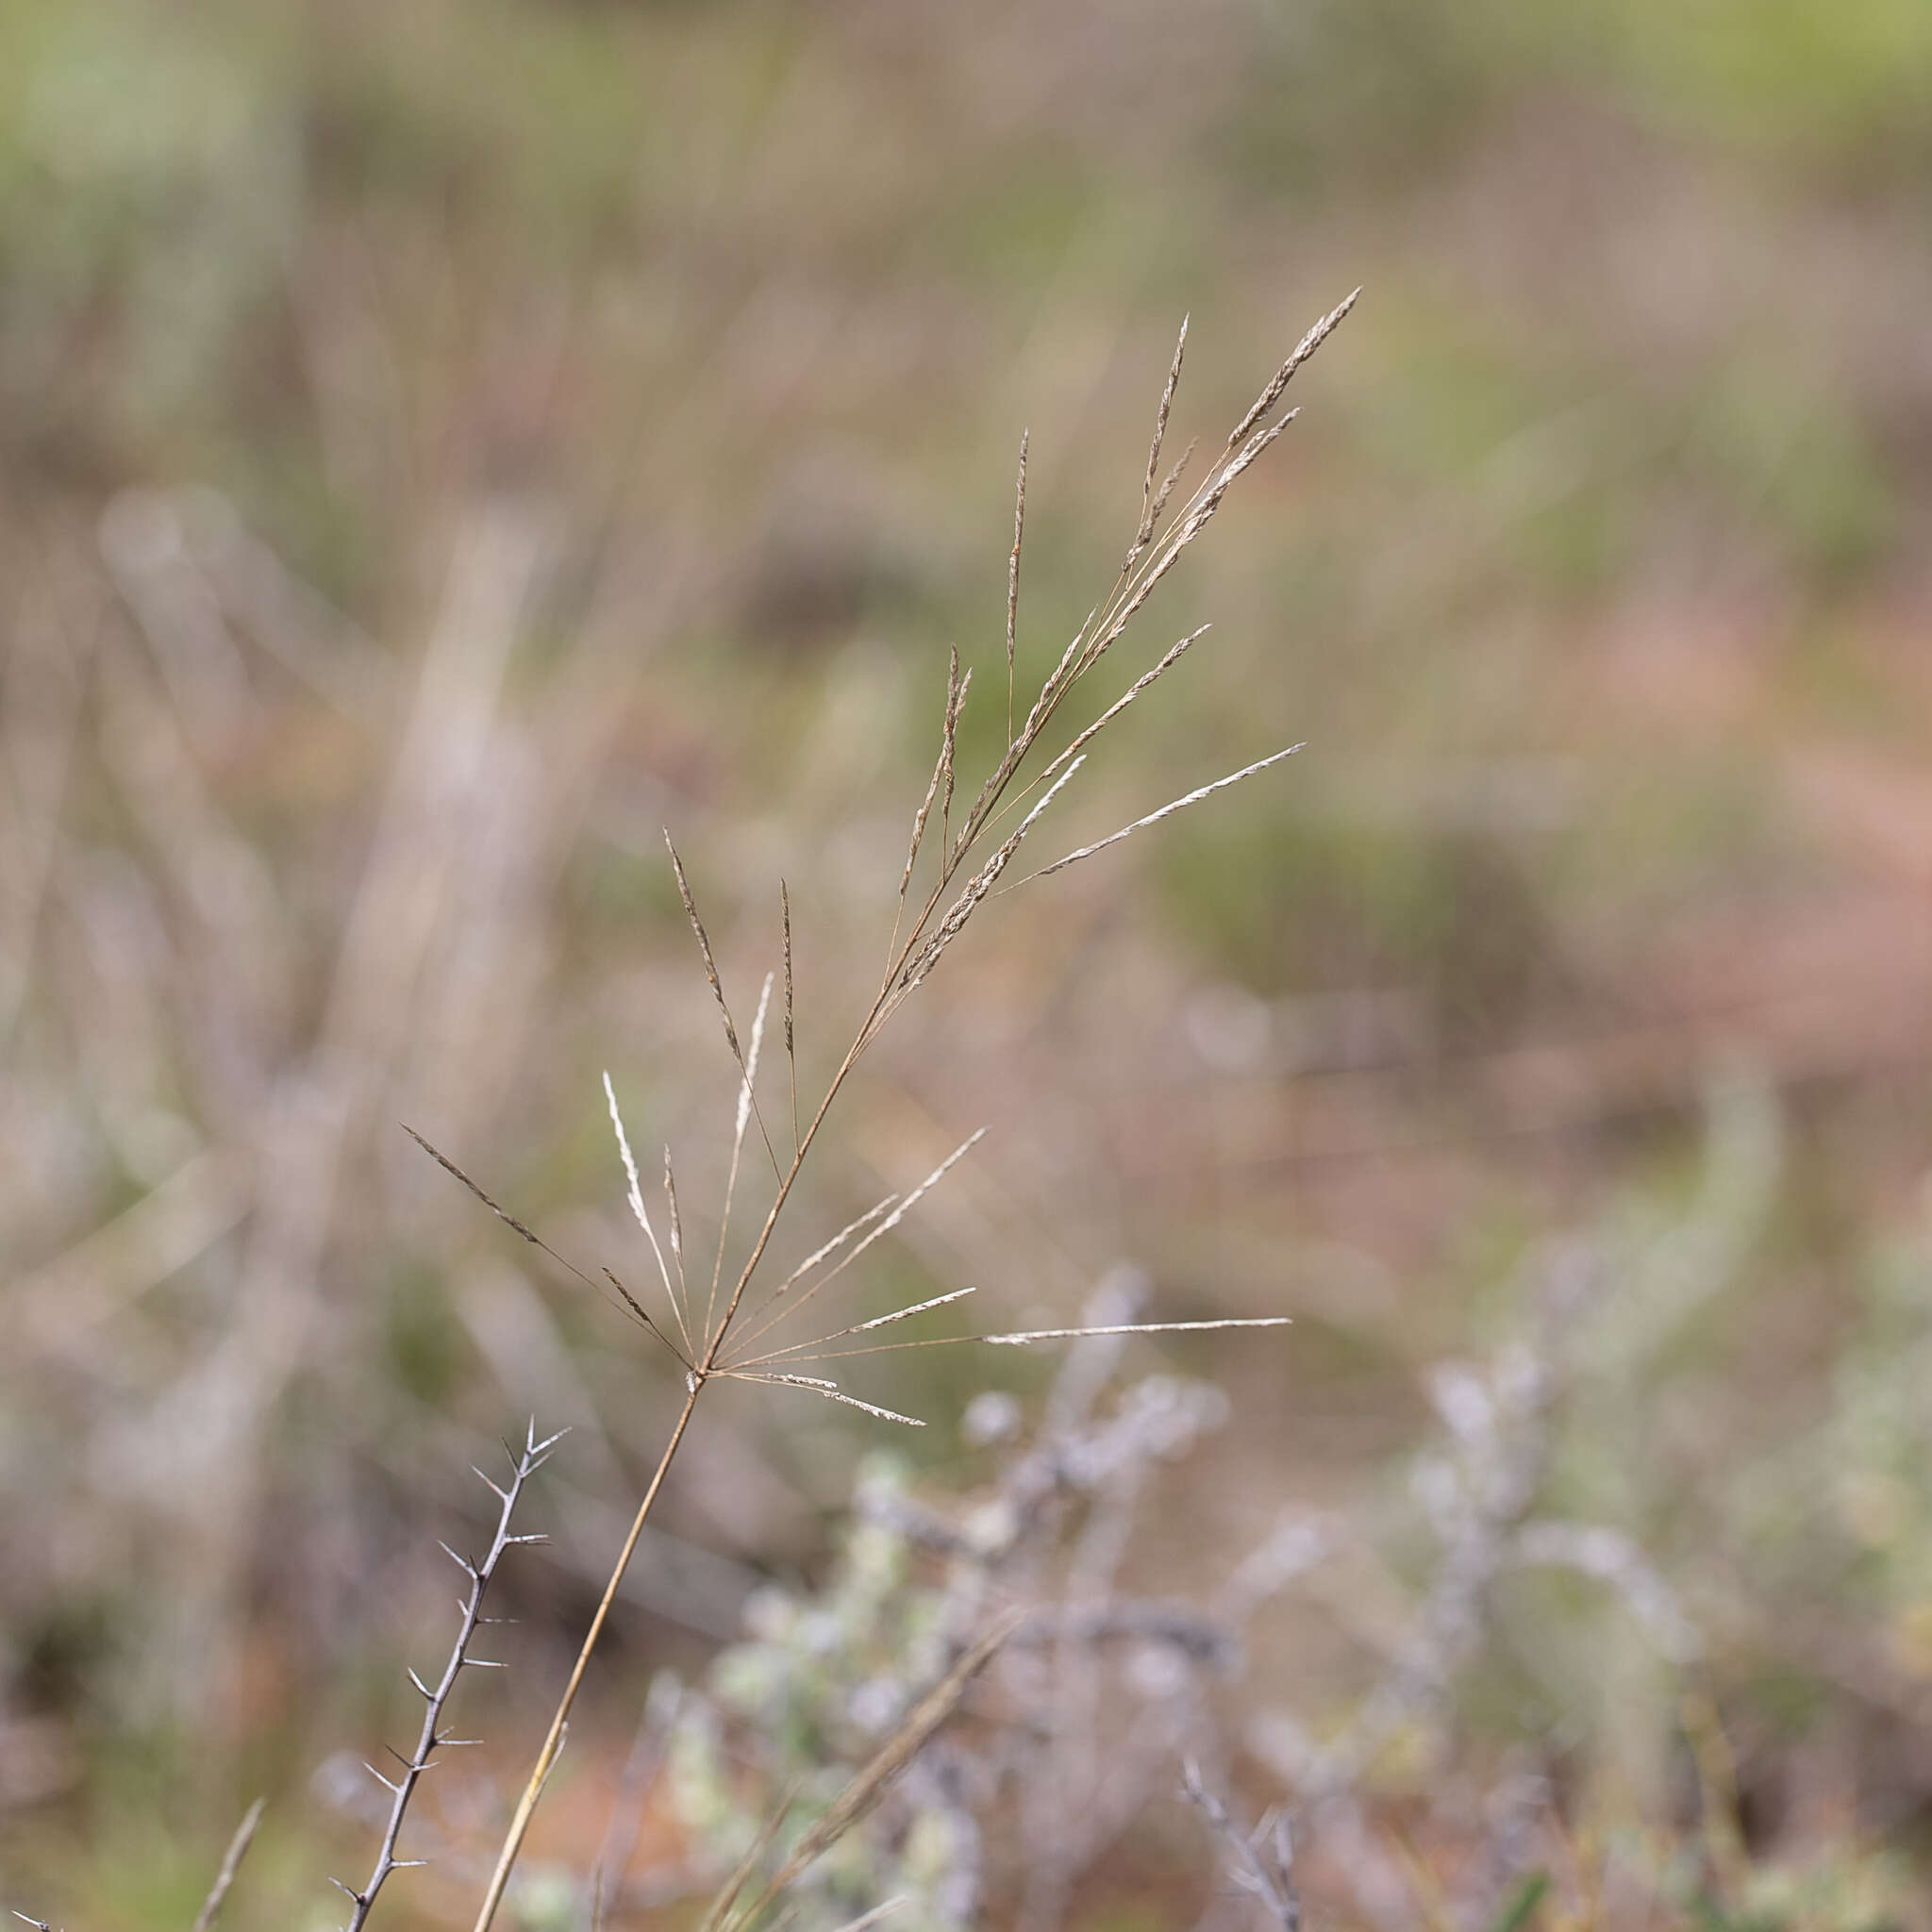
point(523, 1466)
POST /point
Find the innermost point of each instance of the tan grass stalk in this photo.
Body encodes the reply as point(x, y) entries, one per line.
point(921, 933)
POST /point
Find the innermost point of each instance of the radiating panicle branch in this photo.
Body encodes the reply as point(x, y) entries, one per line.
point(635, 1198)
point(1019, 1338)
point(903, 1207)
point(832, 1247)
point(1153, 817)
point(817, 1385)
point(1126, 697)
point(982, 882)
point(797, 1349)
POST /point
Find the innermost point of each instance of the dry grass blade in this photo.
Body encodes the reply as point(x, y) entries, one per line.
point(231, 1863)
point(740, 1876)
point(1153, 817)
point(1013, 577)
point(698, 925)
point(914, 1732)
point(1285, 374)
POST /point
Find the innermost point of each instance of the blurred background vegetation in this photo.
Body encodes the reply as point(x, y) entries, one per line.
point(441, 444)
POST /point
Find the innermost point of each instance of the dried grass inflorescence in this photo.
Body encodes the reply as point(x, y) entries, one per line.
point(944, 884)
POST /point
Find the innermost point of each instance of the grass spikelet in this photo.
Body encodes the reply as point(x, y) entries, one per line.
point(899, 1212)
point(1150, 508)
point(698, 925)
point(817, 1385)
point(956, 698)
point(1285, 374)
point(1125, 698)
point(982, 882)
point(1153, 817)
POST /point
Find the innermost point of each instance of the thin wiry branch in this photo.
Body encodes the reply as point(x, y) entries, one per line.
point(1013, 574)
point(938, 1301)
point(231, 1863)
point(1026, 1338)
point(522, 1466)
point(510, 1220)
